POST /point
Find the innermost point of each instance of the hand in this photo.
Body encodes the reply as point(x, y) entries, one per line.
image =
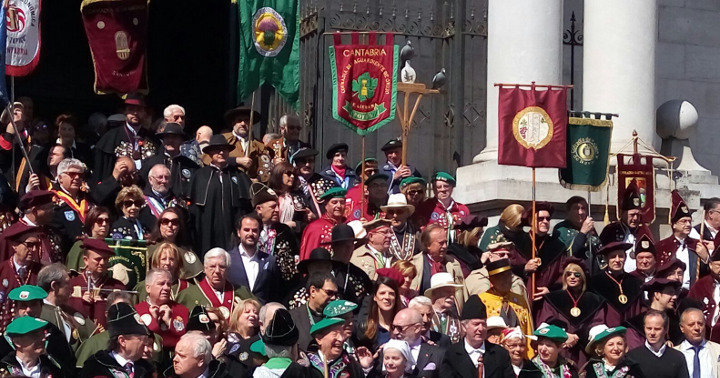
point(87, 297)
point(485, 257)
point(702, 251)
point(120, 170)
point(155, 312)
point(364, 357)
point(402, 172)
point(311, 216)
point(709, 244)
point(243, 161)
point(588, 225)
point(166, 314)
point(571, 341)
point(34, 181)
point(219, 348)
point(539, 292)
point(532, 265)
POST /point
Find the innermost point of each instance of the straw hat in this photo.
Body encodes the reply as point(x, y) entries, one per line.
point(398, 201)
point(442, 279)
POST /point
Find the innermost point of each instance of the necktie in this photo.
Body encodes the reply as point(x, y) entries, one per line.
point(480, 366)
point(129, 369)
point(22, 272)
point(696, 362)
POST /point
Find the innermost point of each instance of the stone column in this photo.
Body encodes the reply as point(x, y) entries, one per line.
point(619, 66)
point(524, 45)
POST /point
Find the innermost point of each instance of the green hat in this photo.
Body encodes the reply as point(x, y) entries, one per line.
point(26, 293)
point(600, 332)
point(412, 180)
point(367, 160)
point(444, 176)
point(325, 323)
point(339, 307)
point(258, 347)
point(336, 192)
point(551, 332)
point(24, 325)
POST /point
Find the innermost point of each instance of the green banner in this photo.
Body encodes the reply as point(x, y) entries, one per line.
point(269, 47)
point(130, 261)
point(588, 154)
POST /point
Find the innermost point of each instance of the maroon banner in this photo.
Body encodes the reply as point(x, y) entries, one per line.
point(533, 127)
point(117, 31)
point(364, 79)
point(639, 168)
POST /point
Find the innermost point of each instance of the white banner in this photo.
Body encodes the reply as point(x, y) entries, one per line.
point(23, 37)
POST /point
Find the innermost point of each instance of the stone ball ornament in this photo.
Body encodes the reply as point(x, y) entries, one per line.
point(676, 118)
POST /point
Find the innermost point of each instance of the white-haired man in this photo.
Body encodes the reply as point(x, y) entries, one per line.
point(159, 194)
point(193, 358)
point(290, 128)
point(174, 113)
point(71, 199)
point(701, 355)
point(159, 312)
point(214, 290)
point(423, 305)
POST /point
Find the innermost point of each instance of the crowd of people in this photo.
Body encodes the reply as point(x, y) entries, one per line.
point(253, 263)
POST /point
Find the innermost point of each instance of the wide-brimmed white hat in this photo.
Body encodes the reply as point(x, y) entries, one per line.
point(600, 332)
point(441, 279)
point(358, 229)
point(494, 322)
point(398, 201)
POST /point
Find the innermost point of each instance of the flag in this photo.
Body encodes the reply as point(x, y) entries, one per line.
point(640, 169)
point(364, 80)
point(587, 153)
point(532, 127)
point(269, 47)
point(4, 97)
point(117, 34)
point(129, 264)
point(23, 37)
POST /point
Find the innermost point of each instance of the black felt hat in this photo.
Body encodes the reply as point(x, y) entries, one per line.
point(200, 320)
point(261, 193)
point(217, 141)
point(281, 330)
point(241, 111)
point(302, 154)
point(123, 320)
point(335, 148)
point(341, 233)
point(171, 128)
point(391, 144)
point(474, 308)
point(317, 255)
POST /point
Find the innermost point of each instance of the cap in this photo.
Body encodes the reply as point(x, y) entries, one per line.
point(24, 325)
point(261, 193)
point(172, 128)
point(679, 208)
point(199, 320)
point(444, 176)
point(644, 241)
point(336, 192)
point(97, 246)
point(324, 324)
point(391, 144)
point(341, 233)
point(631, 197)
point(334, 148)
point(474, 308)
point(339, 307)
point(123, 320)
point(367, 160)
point(497, 266)
point(378, 176)
point(26, 293)
point(612, 238)
point(281, 330)
point(217, 141)
point(412, 180)
point(392, 274)
point(18, 229)
point(599, 333)
point(136, 99)
point(302, 153)
point(658, 284)
point(551, 332)
point(241, 111)
point(35, 198)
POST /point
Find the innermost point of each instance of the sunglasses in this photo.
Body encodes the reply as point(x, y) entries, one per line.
point(330, 293)
point(414, 192)
point(36, 244)
point(576, 274)
point(74, 175)
point(541, 219)
point(400, 328)
point(167, 221)
point(137, 203)
point(102, 220)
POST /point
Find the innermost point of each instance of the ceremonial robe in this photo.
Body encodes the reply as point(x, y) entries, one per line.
point(494, 305)
point(616, 312)
point(94, 310)
point(218, 196)
point(50, 243)
point(49, 368)
point(552, 253)
point(10, 279)
point(170, 335)
point(703, 290)
point(281, 243)
point(118, 141)
point(69, 216)
point(102, 364)
point(667, 249)
point(316, 233)
point(196, 296)
point(181, 171)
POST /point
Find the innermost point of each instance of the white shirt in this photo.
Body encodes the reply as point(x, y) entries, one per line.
point(121, 360)
point(28, 221)
point(683, 254)
point(251, 264)
point(33, 372)
point(696, 235)
point(707, 365)
point(243, 141)
point(386, 259)
point(475, 353)
point(658, 353)
point(630, 260)
point(716, 298)
point(66, 327)
point(415, 350)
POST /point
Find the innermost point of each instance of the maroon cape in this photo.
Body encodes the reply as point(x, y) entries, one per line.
point(616, 312)
point(94, 310)
point(10, 280)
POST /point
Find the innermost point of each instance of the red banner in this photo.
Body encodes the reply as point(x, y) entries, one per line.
point(639, 168)
point(364, 81)
point(23, 37)
point(532, 127)
point(117, 31)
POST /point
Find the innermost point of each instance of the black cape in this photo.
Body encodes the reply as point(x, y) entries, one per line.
point(102, 364)
point(181, 170)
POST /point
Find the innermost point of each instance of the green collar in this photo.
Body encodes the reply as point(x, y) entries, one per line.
point(278, 363)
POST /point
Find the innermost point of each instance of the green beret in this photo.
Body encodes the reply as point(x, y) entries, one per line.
point(444, 176)
point(367, 160)
point(412, 180)
point(339, 307)
point(27, 293)
point(258, 347)
point(325, 323)
point(24, 325)
point(336, 192)
point(551, 332)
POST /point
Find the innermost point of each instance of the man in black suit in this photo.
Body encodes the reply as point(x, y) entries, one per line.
point(655, 358)
point(467, 357)
point(408, 326)
point(250, 267)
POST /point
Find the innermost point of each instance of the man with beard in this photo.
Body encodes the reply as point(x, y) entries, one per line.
point(405, 238)
point(442, 208)
point(131, 139)
point(251, 267)
point(620, 290)
point(275, 238)
point(158, 312)
point(245, 153)
point(72, 201)
point(624, 229)
point(394, 168)
point(681, 246)
point(181, 167)
point(91, 288)
point(663, 295)
point(319, 231)
point(577, 231)
point(219, 194)
point(704, 290)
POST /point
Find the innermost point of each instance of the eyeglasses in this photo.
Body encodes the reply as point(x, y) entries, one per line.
point(401, 328)
point(74, 175)
point(541, 219)
point(330, 293)
point(576, 274)
point(102, 220)
point(167, 221)
point(35, 244)
point(414, 192)
point(137, 203)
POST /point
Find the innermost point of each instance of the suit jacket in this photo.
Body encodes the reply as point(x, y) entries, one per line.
point(421, 282)
point(266, 287)
point(714, 349)
point(440, 339)
point(302, 322)
point(256, 149)
point(394, 184)
point(429, 361)
point(457, 362)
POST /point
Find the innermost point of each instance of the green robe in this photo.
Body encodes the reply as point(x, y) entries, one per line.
point(100, 342)
point(85, 330)
point(193, 296)
point(519, 238)
point(577, 244)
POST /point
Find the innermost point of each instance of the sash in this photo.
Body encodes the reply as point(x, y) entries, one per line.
point(81, 208)
point(156, 207)
point(209, 293)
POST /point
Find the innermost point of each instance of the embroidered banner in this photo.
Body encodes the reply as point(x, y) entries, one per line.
point(117, 33)
point(364, 79)
point(639, 168)
point(23, 37)
point(588, 154)
point(532, 127)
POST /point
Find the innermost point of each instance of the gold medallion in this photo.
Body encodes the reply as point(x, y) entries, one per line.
point(622, 298)
point(575, 312)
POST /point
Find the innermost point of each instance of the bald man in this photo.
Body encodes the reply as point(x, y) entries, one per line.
point(193, 148)
point(408, 326)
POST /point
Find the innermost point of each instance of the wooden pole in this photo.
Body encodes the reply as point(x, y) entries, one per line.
point(362, 179)
point(250, 127)
point(702, 240)
point(532, 236)
point(406, 128)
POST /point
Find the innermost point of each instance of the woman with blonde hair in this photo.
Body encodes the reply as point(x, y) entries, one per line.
point(609, 347)
point(408, 271)
point(465, 247)
point(129, 202)
point(243, 326)
point(579, 309)
point(167, 256)
point(510, 226)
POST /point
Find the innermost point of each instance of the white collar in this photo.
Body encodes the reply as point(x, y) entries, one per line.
point(17, 266)
point(710, 228)
point(469, 349)
point(243, 140)
point(685, 345)
point(120, 359)
point(132, 129)
point(26, 369)
point(243, 252)
point(658, 353)
point(29, 222)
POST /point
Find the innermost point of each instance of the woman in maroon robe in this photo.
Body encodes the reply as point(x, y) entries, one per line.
point(579, 309)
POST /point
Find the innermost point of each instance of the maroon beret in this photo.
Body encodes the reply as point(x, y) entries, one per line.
point(35, 198)
point(392, 274)
point(97, 245)
point(18, 229)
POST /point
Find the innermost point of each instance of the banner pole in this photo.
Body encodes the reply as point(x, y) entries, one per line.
point(17, 135)
point(701, 240)
point(589, 213)
point(532, 236)
point(12, 89)
point(250, 127)
point(362, 179)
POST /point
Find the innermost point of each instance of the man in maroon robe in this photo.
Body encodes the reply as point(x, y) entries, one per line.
point(704, 290)
point(620, 290)
point(645, 255)
point(91, 287)
point(550, 250)
point(20, 269)
point(663, 296)
point(37, 208)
